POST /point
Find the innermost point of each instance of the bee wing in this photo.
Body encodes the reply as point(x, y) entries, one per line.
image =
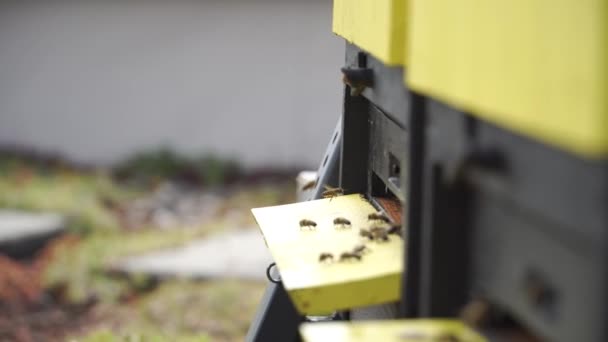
point(328, 188)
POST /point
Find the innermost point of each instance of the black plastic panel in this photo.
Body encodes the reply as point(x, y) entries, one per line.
point(536, 219)
point(388, 154)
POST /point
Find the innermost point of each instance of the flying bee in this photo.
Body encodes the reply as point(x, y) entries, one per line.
point(366, 233)
point(348, 255)
point(309, 185)
point(326, 256)
point(394, 229)
point(332, 192)
point(378, 217)
point(341, 221)
point(307, 223)
point(359, 249)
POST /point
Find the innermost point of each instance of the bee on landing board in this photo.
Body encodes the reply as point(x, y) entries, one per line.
point(376, 229)
point(341, 221)
point(394, 229)
point(332, 192)
point(349, 256)
point(326, 256)
point(359, 249)
point(366, 233)
point(380, 234)
point(307, 223)
point(378, 217)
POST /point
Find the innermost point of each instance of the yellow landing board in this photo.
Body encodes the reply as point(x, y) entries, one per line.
point(322, 287)
point(414, 330)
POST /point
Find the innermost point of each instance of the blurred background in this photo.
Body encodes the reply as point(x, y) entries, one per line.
point(134, 138)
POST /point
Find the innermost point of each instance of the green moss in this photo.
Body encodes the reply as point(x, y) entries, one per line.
point(78, 197)
point(147, 167)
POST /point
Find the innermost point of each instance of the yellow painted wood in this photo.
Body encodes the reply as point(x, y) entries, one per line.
point(376, 26)
point(538, 67)
point(323, 287)
point(413, 330)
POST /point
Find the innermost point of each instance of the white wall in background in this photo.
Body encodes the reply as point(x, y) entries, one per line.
point(98, 80)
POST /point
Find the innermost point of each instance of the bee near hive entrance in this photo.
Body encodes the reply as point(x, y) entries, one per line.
point(326, 257)
point(378, 217)
point(341, 222)
point(350, 256)
point(360, 249)
point(306, 223)
point(331, 192)
point(364, 233)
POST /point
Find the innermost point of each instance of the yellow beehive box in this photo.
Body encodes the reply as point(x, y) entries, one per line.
point(321, 287)
point(413, 330)
point(376, 26)
point(534, 66)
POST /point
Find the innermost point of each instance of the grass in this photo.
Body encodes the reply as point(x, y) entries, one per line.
point(75, 195)
point(218, 310)
point(82, 268)
point(109, 336)
point(149, 166)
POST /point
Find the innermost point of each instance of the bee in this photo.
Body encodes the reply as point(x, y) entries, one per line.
point(341, 221)
point(366, 233)
point(309, 185)
point(394, 229)
point(332, 192)
point(326, 256)
point(378, 217)
point(357, 79)
point(380, 235)
point(359, 249)
point(376, 229)
point(348, 255)
point(307, 223)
